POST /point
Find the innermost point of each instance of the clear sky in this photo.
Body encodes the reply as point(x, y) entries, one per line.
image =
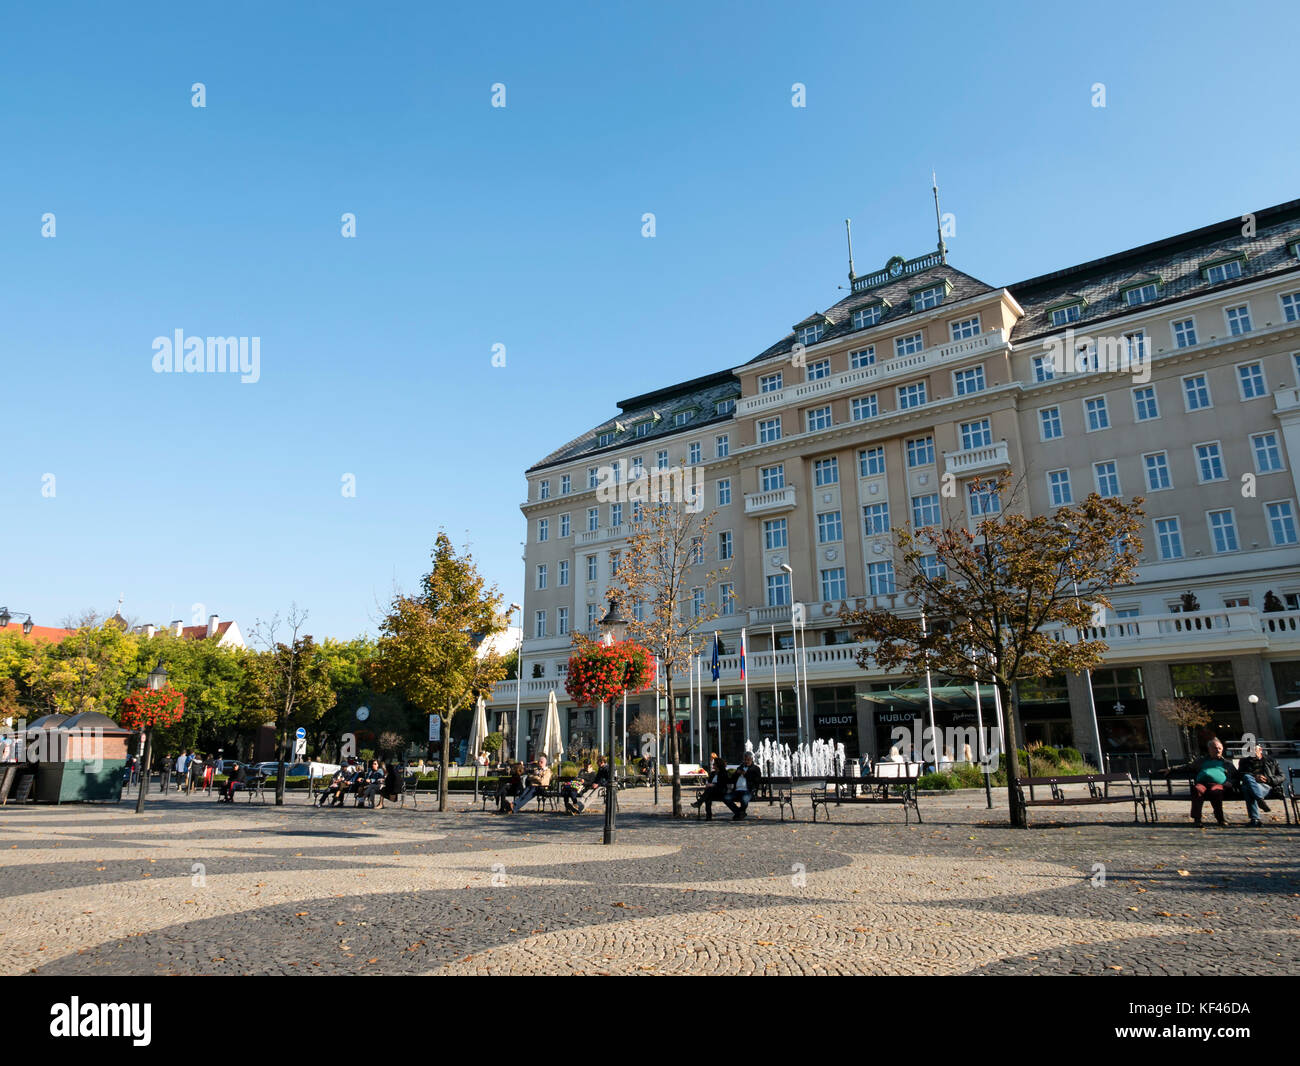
point(519, 226)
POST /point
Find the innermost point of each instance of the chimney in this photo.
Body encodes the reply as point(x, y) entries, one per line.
point(177, 626)
point(212, 624)
point(150, 630)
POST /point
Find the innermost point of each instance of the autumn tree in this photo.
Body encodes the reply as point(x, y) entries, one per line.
point(666, 557)
point(431, 644)
point(91, 669)
point(996, 596)
point(1187, 714)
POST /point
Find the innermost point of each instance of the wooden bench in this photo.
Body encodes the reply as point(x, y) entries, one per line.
point(778, 790)
point(1098, 792)
point(1183, 775)
point(896, 785)
point(254, 785)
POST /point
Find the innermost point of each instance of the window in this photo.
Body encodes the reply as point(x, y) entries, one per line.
point(605, 439)
point(830, 527)
point(643, 428)
point(1106, 474)
point(864, 407)
point(724, 544)
point(1209, 462)
point(541, 575)
point(1049, 423)
point(771, 382)
point(1184, 333)
point(1145, 406)
point(1250, 379)
point(925, 510)
point(1238, 319)
point(920, 451)
point(564, 573)
point(834, 587)
point(682, 417)
point(1291, 306)
point(727, 598)
point(724, 491)
point(772, 477)
point(826, 471)
point(1196, 392)
point(1058, 486)
point(1095, 413)
point(778, 590)
point(564, 525)
point(563, 621)
point(1135, 345)
point(593, 476)
point(811, 334)
point(593, 610)
point(1156, 466)
point(927, 298)
point(1169, 538)
point(661, 459)
point(1281, 522)
point(636, 470)
point(909, 345)
point(875, 519)
point(1268, 456)
point(697, 551)
point(912, 395)
point(819, 418)
point(539, 625)
point(880, 579)
point(769, 430)
point(1223, 531)
point(867, 316)
point(593, 519)
point(969, 380)
point(615, 514)
point(871, 461)
point(722, 446)
point(693, 455)
point(591, 568)
point(818, 370)
point(615, 471)
point(931, 567)
point(1063, 316)
point(697, 602)
point(724, 407)
point(863, 357)
point(1223, 271)
point(774, 533)
point(1141, 294)
point(966, 327)
point(1044, 368)
point(977, 434)
point(983, 500)
point(544, 490)
point(543, 529)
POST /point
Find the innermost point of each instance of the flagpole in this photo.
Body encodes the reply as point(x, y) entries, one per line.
point(980, 746)
point(625, 731)
point(929, 698)
point(717, 686)
point(658, 732)
point(744, 677)
point(690, 689)
point(776, 689)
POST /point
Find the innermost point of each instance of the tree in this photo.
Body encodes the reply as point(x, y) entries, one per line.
point(990, 596)
point(664, 560)
point(431, 644)
point(1187, 714)
point(290, 680)
point(89, 670)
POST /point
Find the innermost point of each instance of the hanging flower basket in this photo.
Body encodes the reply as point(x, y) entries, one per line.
point(147, 708)
point(601, 672)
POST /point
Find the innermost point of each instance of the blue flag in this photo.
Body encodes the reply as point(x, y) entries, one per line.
point(715, 666)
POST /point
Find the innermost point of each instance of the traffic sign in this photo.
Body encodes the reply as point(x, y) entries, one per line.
point(301, 734)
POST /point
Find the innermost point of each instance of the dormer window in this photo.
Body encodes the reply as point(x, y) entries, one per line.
point(811, 334)
point(1294, 248)
point(682, 417)
point(930, 296)
point(605, 439)
point(644, 428)
point(1223, 269)
point(724, 407)
point(1064, 314)
point(867, 316)
point(1142, 293)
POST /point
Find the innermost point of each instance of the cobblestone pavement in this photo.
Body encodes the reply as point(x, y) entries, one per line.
point(191, 886)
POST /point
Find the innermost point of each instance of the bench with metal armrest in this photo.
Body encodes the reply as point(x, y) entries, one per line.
point(894, 786)
point(1098, 786)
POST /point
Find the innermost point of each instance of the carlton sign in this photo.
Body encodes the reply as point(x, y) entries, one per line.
point(890, 602)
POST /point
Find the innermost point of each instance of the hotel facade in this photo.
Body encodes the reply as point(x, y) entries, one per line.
point(1170, 371)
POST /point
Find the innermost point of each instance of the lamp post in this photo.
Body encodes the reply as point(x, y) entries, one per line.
point(6, 617)
point(157, 679)
point(519, 671)
point(794, 635)
point(616, 626)
point(1253, 700)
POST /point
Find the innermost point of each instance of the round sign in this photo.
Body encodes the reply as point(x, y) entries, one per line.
point(363, 713)
point(301, 734)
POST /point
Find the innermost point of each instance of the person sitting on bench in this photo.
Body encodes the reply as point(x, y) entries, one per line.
point(334, 791)
point(535, 782)
point(1259, 776)
point(573, 791)
point(238, 776)
point(1211, 778)
point(717, 788)
point(744, 786)
point(511, 784)
point(371, 784)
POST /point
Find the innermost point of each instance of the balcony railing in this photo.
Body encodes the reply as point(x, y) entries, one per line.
point(771, 501)
point(603, 533)
point(974, 460)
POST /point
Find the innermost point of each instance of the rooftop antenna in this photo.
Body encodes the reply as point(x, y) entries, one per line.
point(848, 232)
point(938, 219)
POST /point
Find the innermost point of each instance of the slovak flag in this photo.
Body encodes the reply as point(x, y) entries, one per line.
point(742, 655)
point(715, 666)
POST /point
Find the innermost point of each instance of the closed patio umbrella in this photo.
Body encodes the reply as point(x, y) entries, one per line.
point(552, 742)
point(478, 731)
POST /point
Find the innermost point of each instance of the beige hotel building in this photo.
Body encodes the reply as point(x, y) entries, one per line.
point(1180, 382)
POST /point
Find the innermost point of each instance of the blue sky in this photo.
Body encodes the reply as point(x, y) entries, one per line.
point(518, 226)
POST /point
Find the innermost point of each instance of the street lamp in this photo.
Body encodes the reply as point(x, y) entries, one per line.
point(794, 634)
point(156, 680)
point(519, 670)
point(615, 625)
point(6, 618)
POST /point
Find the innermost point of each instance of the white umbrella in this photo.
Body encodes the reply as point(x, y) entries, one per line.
point(552, 742)
point(478, 731)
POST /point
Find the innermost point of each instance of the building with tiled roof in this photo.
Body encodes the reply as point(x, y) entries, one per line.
point(1169, 371)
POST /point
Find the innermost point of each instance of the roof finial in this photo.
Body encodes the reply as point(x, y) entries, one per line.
point(848, 232)
point(938, 219)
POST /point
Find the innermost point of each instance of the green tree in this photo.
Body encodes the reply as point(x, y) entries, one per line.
point(91, 669)
point(430, 644)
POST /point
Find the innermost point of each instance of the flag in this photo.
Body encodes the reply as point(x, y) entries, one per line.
point(715, 665)
point(742, 655)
